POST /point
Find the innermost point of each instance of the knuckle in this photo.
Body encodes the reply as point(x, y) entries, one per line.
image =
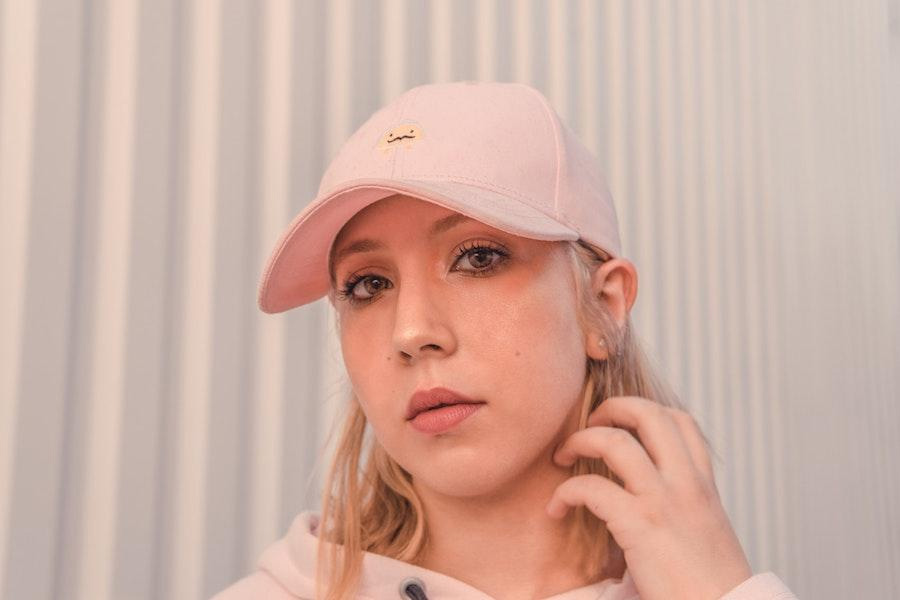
point(685, 417)
point(676, 412)
point(700, 492)
point(662, 409)
point(658, 410)
point(654, 514)
point(620, 437)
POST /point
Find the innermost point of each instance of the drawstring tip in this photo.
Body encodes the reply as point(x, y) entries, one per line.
point(413, 588)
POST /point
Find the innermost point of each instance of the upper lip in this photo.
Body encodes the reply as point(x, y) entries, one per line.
point(426, 399)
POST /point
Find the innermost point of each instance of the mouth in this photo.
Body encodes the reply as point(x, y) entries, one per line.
point(435, 398)
point(441, 420)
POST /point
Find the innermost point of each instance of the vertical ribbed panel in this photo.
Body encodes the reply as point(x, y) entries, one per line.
point(18, 55)
point(273, 191)
point(114, 222)
point(157, 431)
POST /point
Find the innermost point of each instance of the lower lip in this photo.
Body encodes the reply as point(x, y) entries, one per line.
point(439, 420)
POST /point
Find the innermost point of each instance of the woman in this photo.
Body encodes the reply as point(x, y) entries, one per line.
point(520, 446)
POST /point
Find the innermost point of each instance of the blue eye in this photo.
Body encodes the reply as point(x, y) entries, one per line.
point(477, 254)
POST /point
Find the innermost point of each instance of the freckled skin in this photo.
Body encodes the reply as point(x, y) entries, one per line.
point(510, 338)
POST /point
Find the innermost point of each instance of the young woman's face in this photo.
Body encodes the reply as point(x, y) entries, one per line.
point(496, 324)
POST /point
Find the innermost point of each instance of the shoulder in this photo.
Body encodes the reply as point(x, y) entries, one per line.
point(259, 585)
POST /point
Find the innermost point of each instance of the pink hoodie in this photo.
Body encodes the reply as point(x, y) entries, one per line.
point(286, 571)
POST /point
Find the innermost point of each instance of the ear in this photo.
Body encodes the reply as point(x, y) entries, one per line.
point(615, 283)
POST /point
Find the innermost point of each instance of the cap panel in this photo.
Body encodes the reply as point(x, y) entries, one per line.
point(584, 197)
point(360, 156)
point(474, 134)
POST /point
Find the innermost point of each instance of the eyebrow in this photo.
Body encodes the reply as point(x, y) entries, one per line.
point(368, 245)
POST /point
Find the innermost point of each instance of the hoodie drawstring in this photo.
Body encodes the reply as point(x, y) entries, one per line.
point(413, 588)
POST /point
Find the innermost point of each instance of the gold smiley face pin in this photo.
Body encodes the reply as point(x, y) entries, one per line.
point(404, 134)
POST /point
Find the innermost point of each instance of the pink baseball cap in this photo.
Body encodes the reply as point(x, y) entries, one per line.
point(493, 151)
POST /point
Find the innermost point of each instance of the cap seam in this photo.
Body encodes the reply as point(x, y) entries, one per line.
point(556, 141)
point(451, 178)
point(559, 217)
point(483, 183)
point(400, 118)
point(397, 119)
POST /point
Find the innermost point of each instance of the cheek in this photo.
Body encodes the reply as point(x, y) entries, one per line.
point(372, 369)
point(533, 344)
point(362, 370)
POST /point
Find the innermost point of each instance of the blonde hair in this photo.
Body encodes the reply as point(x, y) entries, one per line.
point(372, 507)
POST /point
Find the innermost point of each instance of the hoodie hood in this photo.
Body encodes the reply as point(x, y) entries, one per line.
point(291, 561)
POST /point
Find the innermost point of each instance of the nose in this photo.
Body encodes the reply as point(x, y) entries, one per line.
point(421, 324)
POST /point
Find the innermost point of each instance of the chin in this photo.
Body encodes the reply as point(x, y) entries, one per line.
point(466, 478)
point(459, 485)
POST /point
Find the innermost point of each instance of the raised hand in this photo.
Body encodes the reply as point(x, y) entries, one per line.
point(668, 519)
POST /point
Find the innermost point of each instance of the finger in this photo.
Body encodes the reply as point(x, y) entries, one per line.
point(621, 452)
point(695, 442)
point(656, 430)
point(601, 496)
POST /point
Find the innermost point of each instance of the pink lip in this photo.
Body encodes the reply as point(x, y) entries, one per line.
point(424, 400)
point(439, 420)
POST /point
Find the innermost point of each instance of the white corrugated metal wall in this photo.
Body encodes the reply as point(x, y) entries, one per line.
point(157, 431)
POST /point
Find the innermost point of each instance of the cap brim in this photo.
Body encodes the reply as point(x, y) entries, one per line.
point(296, 272)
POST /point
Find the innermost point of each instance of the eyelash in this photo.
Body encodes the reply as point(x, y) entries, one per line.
point(346, 292)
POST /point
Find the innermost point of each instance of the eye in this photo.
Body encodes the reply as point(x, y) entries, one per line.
point(480, 255)
point(484, 258)
point(374, 282)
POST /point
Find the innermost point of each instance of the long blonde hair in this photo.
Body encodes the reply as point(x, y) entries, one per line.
point(371, 506)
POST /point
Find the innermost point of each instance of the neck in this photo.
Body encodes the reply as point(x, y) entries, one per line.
point(507, 546)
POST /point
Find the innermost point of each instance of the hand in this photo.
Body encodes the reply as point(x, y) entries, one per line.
point(669, 520)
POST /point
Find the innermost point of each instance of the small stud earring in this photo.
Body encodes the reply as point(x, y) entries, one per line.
point(601, 343)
